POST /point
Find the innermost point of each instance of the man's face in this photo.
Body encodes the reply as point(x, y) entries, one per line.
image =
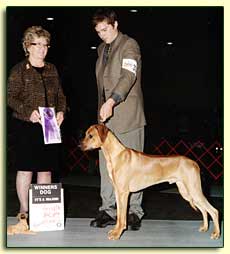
point(106, 31)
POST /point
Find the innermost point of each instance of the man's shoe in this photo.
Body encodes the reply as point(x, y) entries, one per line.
point(134, 223)
point(102, 220)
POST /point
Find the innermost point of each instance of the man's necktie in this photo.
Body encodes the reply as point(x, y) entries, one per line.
point(105, 59)
point(106, 53)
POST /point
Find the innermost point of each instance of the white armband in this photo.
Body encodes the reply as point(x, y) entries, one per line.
point(130, 65)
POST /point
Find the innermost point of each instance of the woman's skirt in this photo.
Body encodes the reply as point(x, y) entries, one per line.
point(31, 153)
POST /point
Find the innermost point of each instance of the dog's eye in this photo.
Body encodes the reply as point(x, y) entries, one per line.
point(90, 136)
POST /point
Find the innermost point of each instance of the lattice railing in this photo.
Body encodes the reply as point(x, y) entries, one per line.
point(208, 156)
point(76, 159)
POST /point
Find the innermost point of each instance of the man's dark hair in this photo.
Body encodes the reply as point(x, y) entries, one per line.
point(104, 14)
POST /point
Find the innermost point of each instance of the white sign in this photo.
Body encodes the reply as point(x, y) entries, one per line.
point(130, 65)
point(46, 207)
point(51, 130)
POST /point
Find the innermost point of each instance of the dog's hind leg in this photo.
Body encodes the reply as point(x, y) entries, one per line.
point(200, 201)
point(185, 193)
point(204, 226)
point(205, 207)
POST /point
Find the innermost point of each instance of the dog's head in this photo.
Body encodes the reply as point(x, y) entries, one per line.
point(94, 137)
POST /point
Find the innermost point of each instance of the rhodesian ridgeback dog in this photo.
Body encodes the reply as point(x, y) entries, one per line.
point(21, 227)
point(131, 171)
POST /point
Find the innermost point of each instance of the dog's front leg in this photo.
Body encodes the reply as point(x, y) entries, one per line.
point(122, 200)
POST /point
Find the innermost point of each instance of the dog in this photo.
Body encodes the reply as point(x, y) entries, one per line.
point(131, 171)
point(21, 227)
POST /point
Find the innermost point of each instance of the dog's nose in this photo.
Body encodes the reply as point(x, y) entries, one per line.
point(81, 145)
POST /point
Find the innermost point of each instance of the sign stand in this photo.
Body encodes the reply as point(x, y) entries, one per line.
point(46, 207)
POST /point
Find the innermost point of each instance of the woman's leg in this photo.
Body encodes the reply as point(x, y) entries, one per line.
point(23, 181)
point(44, 177)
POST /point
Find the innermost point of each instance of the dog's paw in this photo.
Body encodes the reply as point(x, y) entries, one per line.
point(203, 228)
point(114, 234)
point(215, 235)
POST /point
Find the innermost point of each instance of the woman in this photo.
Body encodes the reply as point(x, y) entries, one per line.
point(34, 83)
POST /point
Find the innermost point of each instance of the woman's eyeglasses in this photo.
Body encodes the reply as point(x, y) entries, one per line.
point(40, 45)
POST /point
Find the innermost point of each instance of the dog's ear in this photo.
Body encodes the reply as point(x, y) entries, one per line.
point(102, 131)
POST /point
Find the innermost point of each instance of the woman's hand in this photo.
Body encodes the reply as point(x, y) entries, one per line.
point(60, 118)
point(35, 117)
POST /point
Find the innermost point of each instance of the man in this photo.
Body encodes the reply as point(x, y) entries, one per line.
point(120, 107)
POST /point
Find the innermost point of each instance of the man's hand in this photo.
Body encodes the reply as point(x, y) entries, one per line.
point(60, 118)
point(106, 110)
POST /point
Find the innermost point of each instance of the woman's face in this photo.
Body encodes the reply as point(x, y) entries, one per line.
point(38, 48)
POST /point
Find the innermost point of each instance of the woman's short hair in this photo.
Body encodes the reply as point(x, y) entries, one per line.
point(34, 32)
point(104, 14)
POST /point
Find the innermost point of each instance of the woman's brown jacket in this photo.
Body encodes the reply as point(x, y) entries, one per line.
point(27, 90)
